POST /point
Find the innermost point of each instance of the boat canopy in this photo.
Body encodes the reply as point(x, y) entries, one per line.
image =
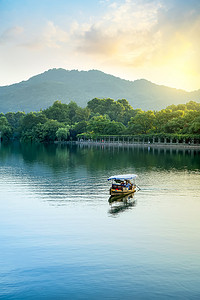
point(123, 177)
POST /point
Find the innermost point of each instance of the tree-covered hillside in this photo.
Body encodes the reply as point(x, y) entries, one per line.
point(41, 91)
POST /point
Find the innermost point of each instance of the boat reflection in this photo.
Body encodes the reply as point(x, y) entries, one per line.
point(121, 204)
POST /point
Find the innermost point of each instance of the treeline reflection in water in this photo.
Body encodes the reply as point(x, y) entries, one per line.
point(99, 157)
point(64, 174)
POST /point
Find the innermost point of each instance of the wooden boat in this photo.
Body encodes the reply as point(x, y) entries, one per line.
point(122, 185)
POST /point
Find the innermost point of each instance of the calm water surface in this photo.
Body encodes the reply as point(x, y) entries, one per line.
point(61, 239)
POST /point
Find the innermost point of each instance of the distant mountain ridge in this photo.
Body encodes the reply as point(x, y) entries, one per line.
point(40, 91)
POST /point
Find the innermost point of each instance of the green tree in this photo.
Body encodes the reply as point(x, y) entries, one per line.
point(14, 119)
point(30, 124)
point(104, 126)
point(128, 111)
point(72, 110)
point(98, 124)
point(32, 119)
point(161, 117)
point(114, 109)
point(94, 105)
point(142, 123)
point(5, 128)
point(188, 119)
point(194, 127)
point(192, 105)
point(62, 133)
point(49, 130)
point(80, 127)
point(82, 115)
point(115, 128)
point(58, 111)
point(174, 126)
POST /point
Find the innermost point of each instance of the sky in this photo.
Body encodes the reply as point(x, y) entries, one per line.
point(158, 40)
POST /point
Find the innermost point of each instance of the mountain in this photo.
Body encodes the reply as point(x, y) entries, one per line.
point(40, 91)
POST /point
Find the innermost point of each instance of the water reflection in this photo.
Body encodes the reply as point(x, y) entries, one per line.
point(61, 238)
point(62, 157)
point(122, 204)
point(63, 174)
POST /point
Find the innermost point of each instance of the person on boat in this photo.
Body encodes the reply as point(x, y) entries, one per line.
point(128, 185)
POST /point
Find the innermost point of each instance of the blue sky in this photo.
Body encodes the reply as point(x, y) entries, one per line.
point(153, 39)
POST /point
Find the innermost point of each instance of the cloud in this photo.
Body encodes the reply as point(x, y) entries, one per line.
point(98, 42)
point(125, 30)
point(179, 12)
point(178, 26)
point(54, 36)
point(130, 33)
point(145, 36)
point(51, 36)
point(11, 35)
point(142, 32)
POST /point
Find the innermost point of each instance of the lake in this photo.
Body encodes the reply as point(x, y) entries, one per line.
point(61, 239)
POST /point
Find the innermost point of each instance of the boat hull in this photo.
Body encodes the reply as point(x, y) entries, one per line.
point(121, 193)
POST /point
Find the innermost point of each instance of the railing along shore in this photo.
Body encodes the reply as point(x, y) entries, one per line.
point(145, 142)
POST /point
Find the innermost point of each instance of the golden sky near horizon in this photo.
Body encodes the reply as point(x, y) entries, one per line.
point(153, 39)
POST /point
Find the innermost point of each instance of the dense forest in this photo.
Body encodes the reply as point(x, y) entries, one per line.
point(62, 122)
